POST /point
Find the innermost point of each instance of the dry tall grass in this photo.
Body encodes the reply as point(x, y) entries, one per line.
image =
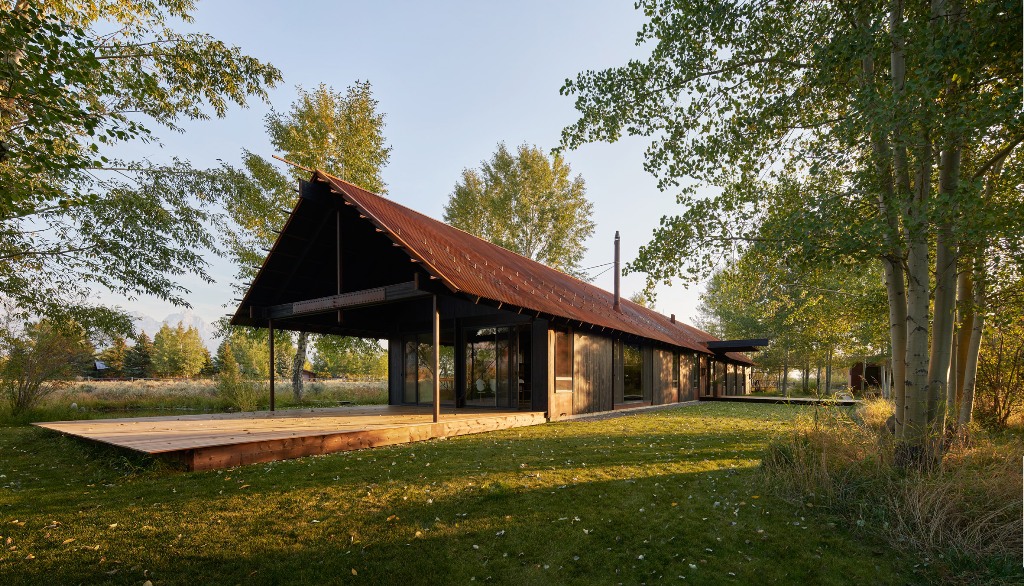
point(204, 395)
point(968, 509)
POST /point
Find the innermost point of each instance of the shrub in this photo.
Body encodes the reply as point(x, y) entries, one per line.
point(39, 361)
point(968, 508)
point(233, 389)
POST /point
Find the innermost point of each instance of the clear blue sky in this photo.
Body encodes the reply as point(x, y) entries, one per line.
point(454, 79)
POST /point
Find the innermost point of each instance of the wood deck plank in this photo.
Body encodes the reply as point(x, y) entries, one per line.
point(229, 439)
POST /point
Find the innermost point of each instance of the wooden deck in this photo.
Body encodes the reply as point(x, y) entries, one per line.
point(222, 440)
point(783, 400)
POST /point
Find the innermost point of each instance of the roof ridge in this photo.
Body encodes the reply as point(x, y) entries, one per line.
point(590, 292)
point(485, 241)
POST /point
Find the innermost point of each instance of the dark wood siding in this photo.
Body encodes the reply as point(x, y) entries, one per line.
point(664, 387)
point(592, 373)
point(559, 403)
point(539, 365)
point(618, 382)
point(687, 391)
point(395, 378)
point(647, 379)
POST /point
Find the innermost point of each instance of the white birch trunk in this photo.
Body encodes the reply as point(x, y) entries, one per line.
point(971, 365)
point(298, 365)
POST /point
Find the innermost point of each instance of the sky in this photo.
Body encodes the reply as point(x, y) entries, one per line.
point(453, 79)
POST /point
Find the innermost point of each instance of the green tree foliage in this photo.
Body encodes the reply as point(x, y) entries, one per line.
point(138, 361)
point(641, 299)
point(114, 356)
point(811, 315)
point(39, 360)
point(834, 132)
point(1000, 374)
point(78, 79)
point(233, 386)
point(340, 133)
point(528, 203)
point(251, 352)
point(341, 356)
point(178, 352)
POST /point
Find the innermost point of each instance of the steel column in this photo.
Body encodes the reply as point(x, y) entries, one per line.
point(436, 319)
point(270, 326)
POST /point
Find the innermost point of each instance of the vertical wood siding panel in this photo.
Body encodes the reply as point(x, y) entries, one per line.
point(593, 382)
point(618, 382)
point(647, 378)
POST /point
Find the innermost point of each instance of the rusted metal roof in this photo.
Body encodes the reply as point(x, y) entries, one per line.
point(479, 269)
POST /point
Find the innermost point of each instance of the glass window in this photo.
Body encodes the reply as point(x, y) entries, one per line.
point(409, 368)
point(489, 367)
point(632, 373)
point(447, 364)
point(417, 369)
point(563, 362)
point(695, 371)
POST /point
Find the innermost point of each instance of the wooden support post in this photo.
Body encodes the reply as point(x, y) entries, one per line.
point(270, 326)
point(436, 319)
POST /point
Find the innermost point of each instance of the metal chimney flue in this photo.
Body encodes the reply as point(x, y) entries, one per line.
point(618, 272)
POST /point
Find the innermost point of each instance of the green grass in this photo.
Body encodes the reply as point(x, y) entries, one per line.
point(672, 496)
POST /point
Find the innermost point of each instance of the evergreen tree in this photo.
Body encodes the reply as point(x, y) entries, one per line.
point(231, 382)
point(138, 360)
point(114, 357)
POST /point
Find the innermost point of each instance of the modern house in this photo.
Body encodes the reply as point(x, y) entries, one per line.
point(502, 331)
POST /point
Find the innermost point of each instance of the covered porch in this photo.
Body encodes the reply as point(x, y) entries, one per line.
point(345, 268)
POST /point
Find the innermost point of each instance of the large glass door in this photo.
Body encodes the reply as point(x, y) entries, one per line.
point(492, 361)
point(417, 366)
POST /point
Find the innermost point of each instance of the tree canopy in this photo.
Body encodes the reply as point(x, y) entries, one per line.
point(340, 133)
point(78, 79)
point(528, 203)
point(178, 351)
point(833, 132)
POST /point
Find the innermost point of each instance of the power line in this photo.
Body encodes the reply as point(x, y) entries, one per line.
point(602, 272)
point(597, 266)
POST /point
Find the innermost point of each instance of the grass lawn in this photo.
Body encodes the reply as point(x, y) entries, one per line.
point(668, 496)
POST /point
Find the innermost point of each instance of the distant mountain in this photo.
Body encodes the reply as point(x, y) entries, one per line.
point(145, 323)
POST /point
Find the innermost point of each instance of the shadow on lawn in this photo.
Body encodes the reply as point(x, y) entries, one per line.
point(628, 500)
point(623, 530)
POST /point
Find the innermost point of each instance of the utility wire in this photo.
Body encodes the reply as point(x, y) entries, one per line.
point(597, 266)
point(602, 272)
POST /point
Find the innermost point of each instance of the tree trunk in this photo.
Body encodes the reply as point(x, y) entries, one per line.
point(298, 366)
point(805, 376)
point(785, 373)
point(965, 311)
point(863, 374)
point(945, 301)
point(828, 373)
point(887, 379)
point(817, 380)
point(951, 408)
point(912, 435)
point(971, 360)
